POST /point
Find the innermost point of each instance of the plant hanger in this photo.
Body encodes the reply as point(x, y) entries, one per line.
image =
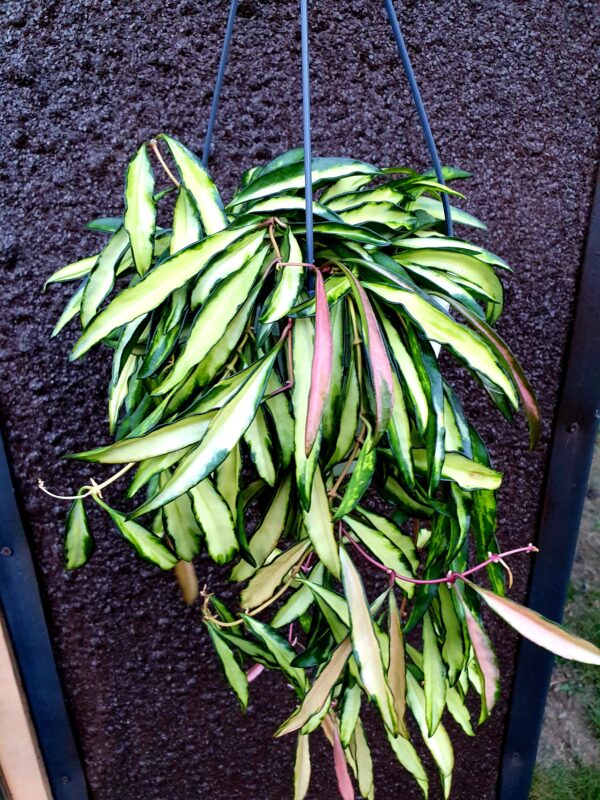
point(276, 384)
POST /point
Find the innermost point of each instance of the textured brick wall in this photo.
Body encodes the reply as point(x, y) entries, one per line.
point(512, 94)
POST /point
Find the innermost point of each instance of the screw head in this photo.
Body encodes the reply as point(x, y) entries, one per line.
point(6, 551)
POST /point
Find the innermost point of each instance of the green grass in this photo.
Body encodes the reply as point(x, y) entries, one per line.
point(566, 782)
point(574, 781)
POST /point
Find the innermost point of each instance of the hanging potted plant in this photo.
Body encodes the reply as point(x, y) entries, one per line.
point(259, 402)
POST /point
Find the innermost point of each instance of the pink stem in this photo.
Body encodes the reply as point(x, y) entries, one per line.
point(451, 577)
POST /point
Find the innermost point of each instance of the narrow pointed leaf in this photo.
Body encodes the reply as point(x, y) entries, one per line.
point(526, 393)
point(146, 544)
point(302, 767)
point(364, 643)
point(435, 676)
point(224, 432)
point(199, 184)
point(235, 675)
point(485, 657)
point(379, 363)
point(320, 689)
point(439, 744)
point(140, 209)
point(538, 629)
point(215, 520)
point(319, 526)
point(397, 666)
point(79, 544)
point(268, 579)
point(154, 288)
point(321, 365)
point(344, 780)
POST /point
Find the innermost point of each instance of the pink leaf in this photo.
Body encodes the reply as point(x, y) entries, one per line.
point(341, 767)
point(538, 629)
point(254, 671)
point(485, 656)
point(379, 362)
point(321, 365)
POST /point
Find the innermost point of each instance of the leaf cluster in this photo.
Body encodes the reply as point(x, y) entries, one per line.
point(229, 349)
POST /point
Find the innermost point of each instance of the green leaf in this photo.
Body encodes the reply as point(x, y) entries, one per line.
point(181, 527)
point(260, 444)
point(268, 533)
point(281, 204)
point(245, 254)
point(302, 768)
point(187, 228)
point(450, 243)
point(408, 371)
point(466, 473)
point(102, 276)
point(435, 676)
point(212, 321)
point(78, 269)
point(348, 422)
point(290, 280)
point(302, 353)
point(440, 327)
point(397, 666)
point(291, 176)
point(235, 675)
point(228, 479)
point(319, 526)
point(458, 709)
point(439, 744)
point(512, 367)
point(140, 210)
point(382, 213)
point(360, 479)
point(279, 648)
point(199, 184)
point(350, 712)
point(71, 310)
point(363, 763)
point(485, 659)
point(299, 602)
point(320, 690)
point(224, 432)
point(146, 544)
point(215, 520)
point(267, 579)
point(165, 439)
point(402, 541)
point(364, 643)
point(436, 210)
point(148, 293)
point(79, 543)
point(384, 550)
point(452, 648)
point(408, 757)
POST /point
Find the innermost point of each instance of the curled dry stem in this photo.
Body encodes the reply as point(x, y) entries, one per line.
point(92, 488)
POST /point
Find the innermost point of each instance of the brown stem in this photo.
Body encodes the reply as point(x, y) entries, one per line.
point(154, 145)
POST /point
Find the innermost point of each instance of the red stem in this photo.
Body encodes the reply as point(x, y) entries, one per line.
point(451, 577)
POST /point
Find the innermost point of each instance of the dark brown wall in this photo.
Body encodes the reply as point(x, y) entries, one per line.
point(512, 94)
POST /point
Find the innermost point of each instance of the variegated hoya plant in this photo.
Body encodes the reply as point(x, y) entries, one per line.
point(292, 419)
